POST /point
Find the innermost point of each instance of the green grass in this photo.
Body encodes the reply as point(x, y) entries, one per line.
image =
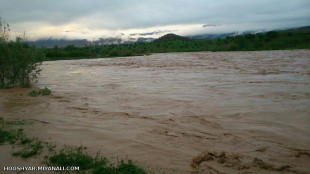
point(29, 149)
point(18, 122)
point(121, 168)
point(74, 157)
point(29, 146)
point(97, 165)
point(26, 141)
point(10, 136)
point(51, 147)
point(68, 156)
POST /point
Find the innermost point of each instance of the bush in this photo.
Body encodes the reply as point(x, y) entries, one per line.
point(34, 93)
point(45, 91)
point(42, 92)
point(18, 61)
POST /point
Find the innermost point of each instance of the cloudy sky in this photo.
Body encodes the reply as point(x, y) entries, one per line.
point(92, 19)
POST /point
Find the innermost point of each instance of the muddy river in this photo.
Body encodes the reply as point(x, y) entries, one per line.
point(220, 112)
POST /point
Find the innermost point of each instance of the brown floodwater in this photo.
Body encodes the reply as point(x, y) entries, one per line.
point(232, 112)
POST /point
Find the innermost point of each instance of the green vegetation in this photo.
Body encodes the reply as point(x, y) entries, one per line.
point(31, 148)
point(26, 140)
point(34, 93)
point(67, 157)
point(18, 61)
point(10, 136)
point(97, 165)
point(121, 168)
point(43, 92)
point(17, 123)
point(273, 40)
point(70, 156)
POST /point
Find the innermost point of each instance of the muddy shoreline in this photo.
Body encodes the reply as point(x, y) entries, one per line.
point(164, 110)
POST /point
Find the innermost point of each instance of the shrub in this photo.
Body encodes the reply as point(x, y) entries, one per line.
point(45, 91)
point(34, 93)
point(18, 61)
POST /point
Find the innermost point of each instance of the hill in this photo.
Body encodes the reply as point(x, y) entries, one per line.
point(171, 37)
point(298, 38)
point(299, 29)
point(50, 42)
point(212, 36)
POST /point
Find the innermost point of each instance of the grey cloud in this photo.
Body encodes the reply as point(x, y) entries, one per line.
point(152, 33)
point(121, 15)
point(209, 25)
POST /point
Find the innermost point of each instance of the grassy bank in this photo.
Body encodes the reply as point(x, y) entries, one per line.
point(11, 132)
point(273, 40)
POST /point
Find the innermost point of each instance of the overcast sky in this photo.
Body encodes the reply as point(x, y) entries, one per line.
point(92, 19)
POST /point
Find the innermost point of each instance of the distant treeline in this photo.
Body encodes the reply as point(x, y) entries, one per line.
point(273, 40)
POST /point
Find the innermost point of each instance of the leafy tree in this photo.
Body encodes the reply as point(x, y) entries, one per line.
point(19, 63)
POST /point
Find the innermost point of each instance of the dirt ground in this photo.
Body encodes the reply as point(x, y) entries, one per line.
point(201, 112)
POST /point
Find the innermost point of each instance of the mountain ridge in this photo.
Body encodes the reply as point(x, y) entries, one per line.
point(50, 42)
